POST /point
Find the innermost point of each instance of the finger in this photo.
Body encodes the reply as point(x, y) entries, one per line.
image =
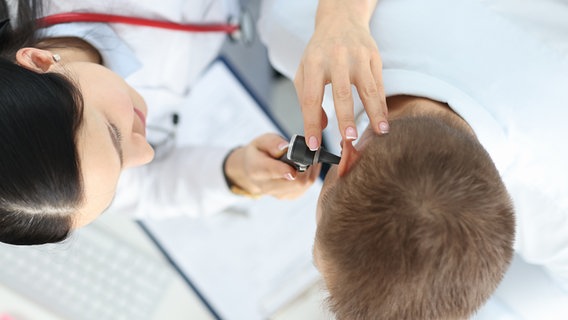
point(310, 84)
point(281, 190)
point(376, 106)
point(343, 100)
point(299, 80)
point(370, 96)
point(286, 189)
point(315, 172)
point(323, 120)
point(271, 144)
point(273, 169)
point(273, 147)
point(305, 179)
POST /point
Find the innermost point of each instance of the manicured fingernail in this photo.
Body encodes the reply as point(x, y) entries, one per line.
point(384, 127)
point(313, 143)
point(289, 177)
point(283, 146)
point(350, 133)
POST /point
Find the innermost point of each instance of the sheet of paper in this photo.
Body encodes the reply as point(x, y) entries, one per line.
point(253, 259)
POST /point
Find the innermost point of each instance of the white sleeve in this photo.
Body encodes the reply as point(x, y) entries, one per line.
point(542, 225)
point(285, 28)
point(189, 181)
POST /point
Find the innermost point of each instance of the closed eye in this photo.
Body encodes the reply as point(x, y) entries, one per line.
point(116, 138)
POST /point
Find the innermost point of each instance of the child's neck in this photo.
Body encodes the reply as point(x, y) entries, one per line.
point(406, 106)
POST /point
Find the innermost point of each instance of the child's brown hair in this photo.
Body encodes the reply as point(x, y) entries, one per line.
point(421, 227)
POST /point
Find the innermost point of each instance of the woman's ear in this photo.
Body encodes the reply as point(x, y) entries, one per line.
point(349, 156)
point(35, 59)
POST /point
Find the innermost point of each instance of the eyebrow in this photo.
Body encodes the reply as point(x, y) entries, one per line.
point(115, 137)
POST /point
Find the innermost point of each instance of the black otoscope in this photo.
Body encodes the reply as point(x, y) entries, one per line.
point(301, 157)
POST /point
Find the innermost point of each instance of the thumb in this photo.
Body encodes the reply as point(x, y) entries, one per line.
point(272, 144)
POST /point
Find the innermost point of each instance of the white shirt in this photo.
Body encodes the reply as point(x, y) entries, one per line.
point(503, 66)
point(162, 65)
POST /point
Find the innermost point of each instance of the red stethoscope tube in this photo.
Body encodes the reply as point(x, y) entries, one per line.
point(111, 18)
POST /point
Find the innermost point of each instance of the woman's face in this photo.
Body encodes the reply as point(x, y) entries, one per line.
point(112, 136)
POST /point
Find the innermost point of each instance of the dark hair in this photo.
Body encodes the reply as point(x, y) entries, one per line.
point(421, 228)
point(40, 113)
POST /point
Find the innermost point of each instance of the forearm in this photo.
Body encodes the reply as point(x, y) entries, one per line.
point(357, 10)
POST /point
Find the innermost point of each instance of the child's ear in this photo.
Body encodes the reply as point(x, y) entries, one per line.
point(349, 156)
point(35, 59)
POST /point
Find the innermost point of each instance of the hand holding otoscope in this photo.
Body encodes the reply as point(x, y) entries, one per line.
point(259, 168)
point(252, 171)
point(301, 157)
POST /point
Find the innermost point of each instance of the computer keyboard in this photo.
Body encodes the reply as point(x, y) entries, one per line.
point(92, 275)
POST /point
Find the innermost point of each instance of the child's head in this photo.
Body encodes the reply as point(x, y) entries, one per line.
point(419, 226)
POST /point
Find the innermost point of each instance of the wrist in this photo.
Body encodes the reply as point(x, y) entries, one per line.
point(233, 173)
point(357, 11)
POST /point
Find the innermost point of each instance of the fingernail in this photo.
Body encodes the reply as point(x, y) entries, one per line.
point(313, 143)
point(289, 177)
point(384, 127)
point(351, 133)
point(282, 146)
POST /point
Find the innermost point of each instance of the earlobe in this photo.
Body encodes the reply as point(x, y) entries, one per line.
point(36, 60)
point(349, 156)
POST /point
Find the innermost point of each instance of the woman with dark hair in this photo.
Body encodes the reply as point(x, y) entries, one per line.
point(70, 125)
